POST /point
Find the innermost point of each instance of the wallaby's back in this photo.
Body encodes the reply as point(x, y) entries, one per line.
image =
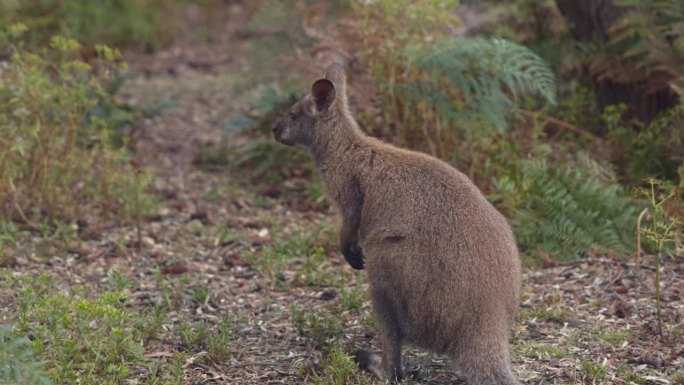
point(437, 232)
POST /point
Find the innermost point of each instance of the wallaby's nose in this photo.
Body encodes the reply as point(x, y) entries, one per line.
point(277, 131)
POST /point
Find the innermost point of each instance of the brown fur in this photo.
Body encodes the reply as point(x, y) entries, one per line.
point(442, 262)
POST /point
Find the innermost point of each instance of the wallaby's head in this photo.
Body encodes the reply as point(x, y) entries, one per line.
point(308, 117)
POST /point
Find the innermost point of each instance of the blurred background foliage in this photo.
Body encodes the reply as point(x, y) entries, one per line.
point(62, 151)
point(555, 115)
point(140, 24)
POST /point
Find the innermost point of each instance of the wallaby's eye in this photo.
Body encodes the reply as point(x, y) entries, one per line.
point(293, 116)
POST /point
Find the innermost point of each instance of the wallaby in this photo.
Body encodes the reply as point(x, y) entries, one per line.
point(442, 262)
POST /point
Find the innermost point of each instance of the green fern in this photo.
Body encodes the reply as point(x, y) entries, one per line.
point(489, 75)
point(647, 44)
point(566, 211)
point(17, 363)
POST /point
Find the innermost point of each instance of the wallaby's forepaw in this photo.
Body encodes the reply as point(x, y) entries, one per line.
point(354, 256)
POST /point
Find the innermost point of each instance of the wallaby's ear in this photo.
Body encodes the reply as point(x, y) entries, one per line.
point(323, 92)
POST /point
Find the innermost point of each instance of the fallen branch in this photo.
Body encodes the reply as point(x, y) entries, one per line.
point(550, 119)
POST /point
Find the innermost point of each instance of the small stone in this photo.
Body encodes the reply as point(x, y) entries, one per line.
point(148, 242)
point(652, 359)
point(7, 260)
point(621, 290)
point(178, 267)
point(328, 294)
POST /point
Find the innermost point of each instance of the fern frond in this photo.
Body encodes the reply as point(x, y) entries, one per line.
point(566, 211)
point(647, 44)
point(489, 74)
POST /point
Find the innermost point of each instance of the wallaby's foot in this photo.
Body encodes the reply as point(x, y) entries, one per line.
point(369, 361)
point(372, 362)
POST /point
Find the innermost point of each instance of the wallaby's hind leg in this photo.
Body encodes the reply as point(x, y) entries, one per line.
point(390, 366)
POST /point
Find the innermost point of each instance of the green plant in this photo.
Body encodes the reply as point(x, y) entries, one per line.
point(645, 44)
point(171, 374)
point(631, 53)
point(200, 295)
point(339, 369)
point(10, 234)
point(387, 29)
point(437, 91)
point(650, 150)
point(321, 327)
point(150, 322)
point(118, 280)
point(566, 210)
point(352, 299)
point(172, 291)
point(663, 232)
point(202, 336)
point(79, 337)
point(389, 26)
point(472, 84)
point(614, 337)
point(57, 159)
point(548, 313)
point(18, 365)
point(534, 23)
point(269, 51)
point(264, 157)
point(312, 271)
point(220, 235)
point(630, 376)
point(271, 259)
point(593, 373)
point(678, 378)
point(269, 92)
point(302, 251)
point(142, 23)
point(194, 336)
point(290, 246)
point(543, 351)
point(218, 345)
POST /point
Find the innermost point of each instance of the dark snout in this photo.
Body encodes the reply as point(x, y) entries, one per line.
point(277, 131)
point(278, 134)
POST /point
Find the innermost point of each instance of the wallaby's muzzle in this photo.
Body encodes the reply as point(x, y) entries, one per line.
point(278, 134)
